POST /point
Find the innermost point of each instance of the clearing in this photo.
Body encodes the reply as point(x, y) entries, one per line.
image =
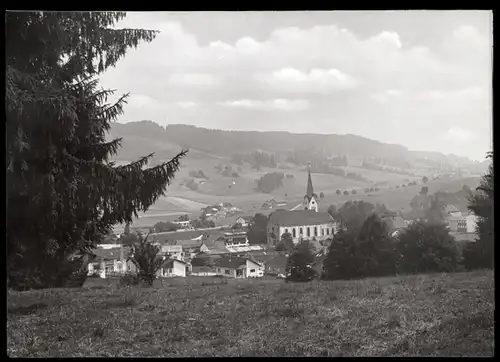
point(423, 315)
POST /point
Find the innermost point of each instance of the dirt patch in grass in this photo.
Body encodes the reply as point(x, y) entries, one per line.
point(425, 315)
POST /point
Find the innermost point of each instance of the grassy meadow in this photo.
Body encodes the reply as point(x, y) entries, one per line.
point(423, 315)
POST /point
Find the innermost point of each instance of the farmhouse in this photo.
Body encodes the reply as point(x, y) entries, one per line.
point(462, 224)
point(453, 211)
point(173, 267)
point(236, 267)
point(244, 220)
point(109, 261)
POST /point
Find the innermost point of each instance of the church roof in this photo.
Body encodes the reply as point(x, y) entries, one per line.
point(300, 217)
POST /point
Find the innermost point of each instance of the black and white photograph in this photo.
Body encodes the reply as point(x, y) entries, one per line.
point(249, 183)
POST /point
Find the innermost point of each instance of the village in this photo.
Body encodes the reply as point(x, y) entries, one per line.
point(227, 252)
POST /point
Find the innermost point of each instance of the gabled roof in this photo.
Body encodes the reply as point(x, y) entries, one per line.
point(451, 208)
point(299, 218)
point(169, 263)
point(109, 254)
point(188, 243)
point(246, 218)
point(233, 262)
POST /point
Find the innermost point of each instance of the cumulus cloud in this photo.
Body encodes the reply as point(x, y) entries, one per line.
point(194, 79)
point(187, 105)
point(339, 77)
point(314, 81)
point(276, 104)
point(457, 134)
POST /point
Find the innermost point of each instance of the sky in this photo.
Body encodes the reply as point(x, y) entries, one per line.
point(422, 79)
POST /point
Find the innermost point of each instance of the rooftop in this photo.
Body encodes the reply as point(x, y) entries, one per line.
point(169, 263)
point(299, 218)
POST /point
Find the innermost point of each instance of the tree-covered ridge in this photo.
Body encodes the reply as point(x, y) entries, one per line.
point(63, 192)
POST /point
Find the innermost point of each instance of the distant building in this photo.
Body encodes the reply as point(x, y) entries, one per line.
point(301, 224)
point(453, 211)
point(307, 224)
point(310, 199)
point(244, 220)
point(236, 267)
point(173, 267)
point(462, 224)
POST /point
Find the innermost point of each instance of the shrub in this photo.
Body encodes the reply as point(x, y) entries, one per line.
point(129, 279)
point(346, 192)
point(338, 192)
point(145, 257)
point(427, 248)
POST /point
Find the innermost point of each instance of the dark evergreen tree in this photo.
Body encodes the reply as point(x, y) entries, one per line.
point(480, 254)
point(63, 193)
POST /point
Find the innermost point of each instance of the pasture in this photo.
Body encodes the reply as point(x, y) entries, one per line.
point(422, 315)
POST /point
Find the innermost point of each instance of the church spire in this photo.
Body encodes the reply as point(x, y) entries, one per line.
point(310, 190)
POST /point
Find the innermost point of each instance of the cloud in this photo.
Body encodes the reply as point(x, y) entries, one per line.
point(457, 134)
point(345, 78)
point(187, 105)
point(276, 104)
point(194, 80)
point(315, 81)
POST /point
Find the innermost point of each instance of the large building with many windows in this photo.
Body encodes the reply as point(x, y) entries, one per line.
point(306, 224)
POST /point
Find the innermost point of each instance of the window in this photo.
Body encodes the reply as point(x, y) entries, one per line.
point(228, 271)
point(219, 270)
point(308, 231)
point(327, 231)
point(294, 234)
point(301, 231)
point(322, 231)
point(315, 231)
point(252, 270)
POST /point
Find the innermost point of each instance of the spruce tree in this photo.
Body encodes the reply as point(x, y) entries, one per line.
point(479, 254)
point(63, 192)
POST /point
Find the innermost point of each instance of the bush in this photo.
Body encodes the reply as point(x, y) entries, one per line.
point(427, 248)
point(129, 279)
point(346, 192)
point(270, 181)
point(353, 192)
point(191, 184)
point(338, 192)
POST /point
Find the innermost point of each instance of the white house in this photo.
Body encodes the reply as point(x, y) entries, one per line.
point(173, 267)
point(462, 224)
point(236, 267)
point(174, 251)
point(235, 239)
point(453, 211)
point(244, 220)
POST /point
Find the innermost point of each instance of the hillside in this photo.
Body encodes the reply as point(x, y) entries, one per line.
point(143, 137)
point(441, 315)
point(223, 166)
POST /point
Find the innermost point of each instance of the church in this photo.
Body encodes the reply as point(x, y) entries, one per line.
point(307, 223)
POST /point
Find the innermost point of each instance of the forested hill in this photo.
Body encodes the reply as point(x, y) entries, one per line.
point(227, 143)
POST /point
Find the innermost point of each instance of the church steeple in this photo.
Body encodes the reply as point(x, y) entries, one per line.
point(310, 190)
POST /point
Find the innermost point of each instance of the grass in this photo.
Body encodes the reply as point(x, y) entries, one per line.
point(425, 315)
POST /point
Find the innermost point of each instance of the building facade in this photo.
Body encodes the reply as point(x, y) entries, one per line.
point(236, 267)
point(306, 224)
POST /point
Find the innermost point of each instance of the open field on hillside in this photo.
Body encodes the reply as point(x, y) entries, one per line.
point(426, 315)
point(396, 199)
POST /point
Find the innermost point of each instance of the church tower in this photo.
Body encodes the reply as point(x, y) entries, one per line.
point(310, 199)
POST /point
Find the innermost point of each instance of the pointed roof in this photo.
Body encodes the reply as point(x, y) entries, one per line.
point(310, 190)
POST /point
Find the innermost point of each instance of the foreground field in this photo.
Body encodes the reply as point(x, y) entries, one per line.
point(427, 315)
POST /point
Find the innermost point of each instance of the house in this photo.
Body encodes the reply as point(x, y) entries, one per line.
point(244, 221)
point(173, 251)
point(203, 271)
point(109, 261)
point(301, 224)
point(396, 224)
point(236, 239)
point(173, 267)
point(237, 267)
point(462, 224)
point(452, 210)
